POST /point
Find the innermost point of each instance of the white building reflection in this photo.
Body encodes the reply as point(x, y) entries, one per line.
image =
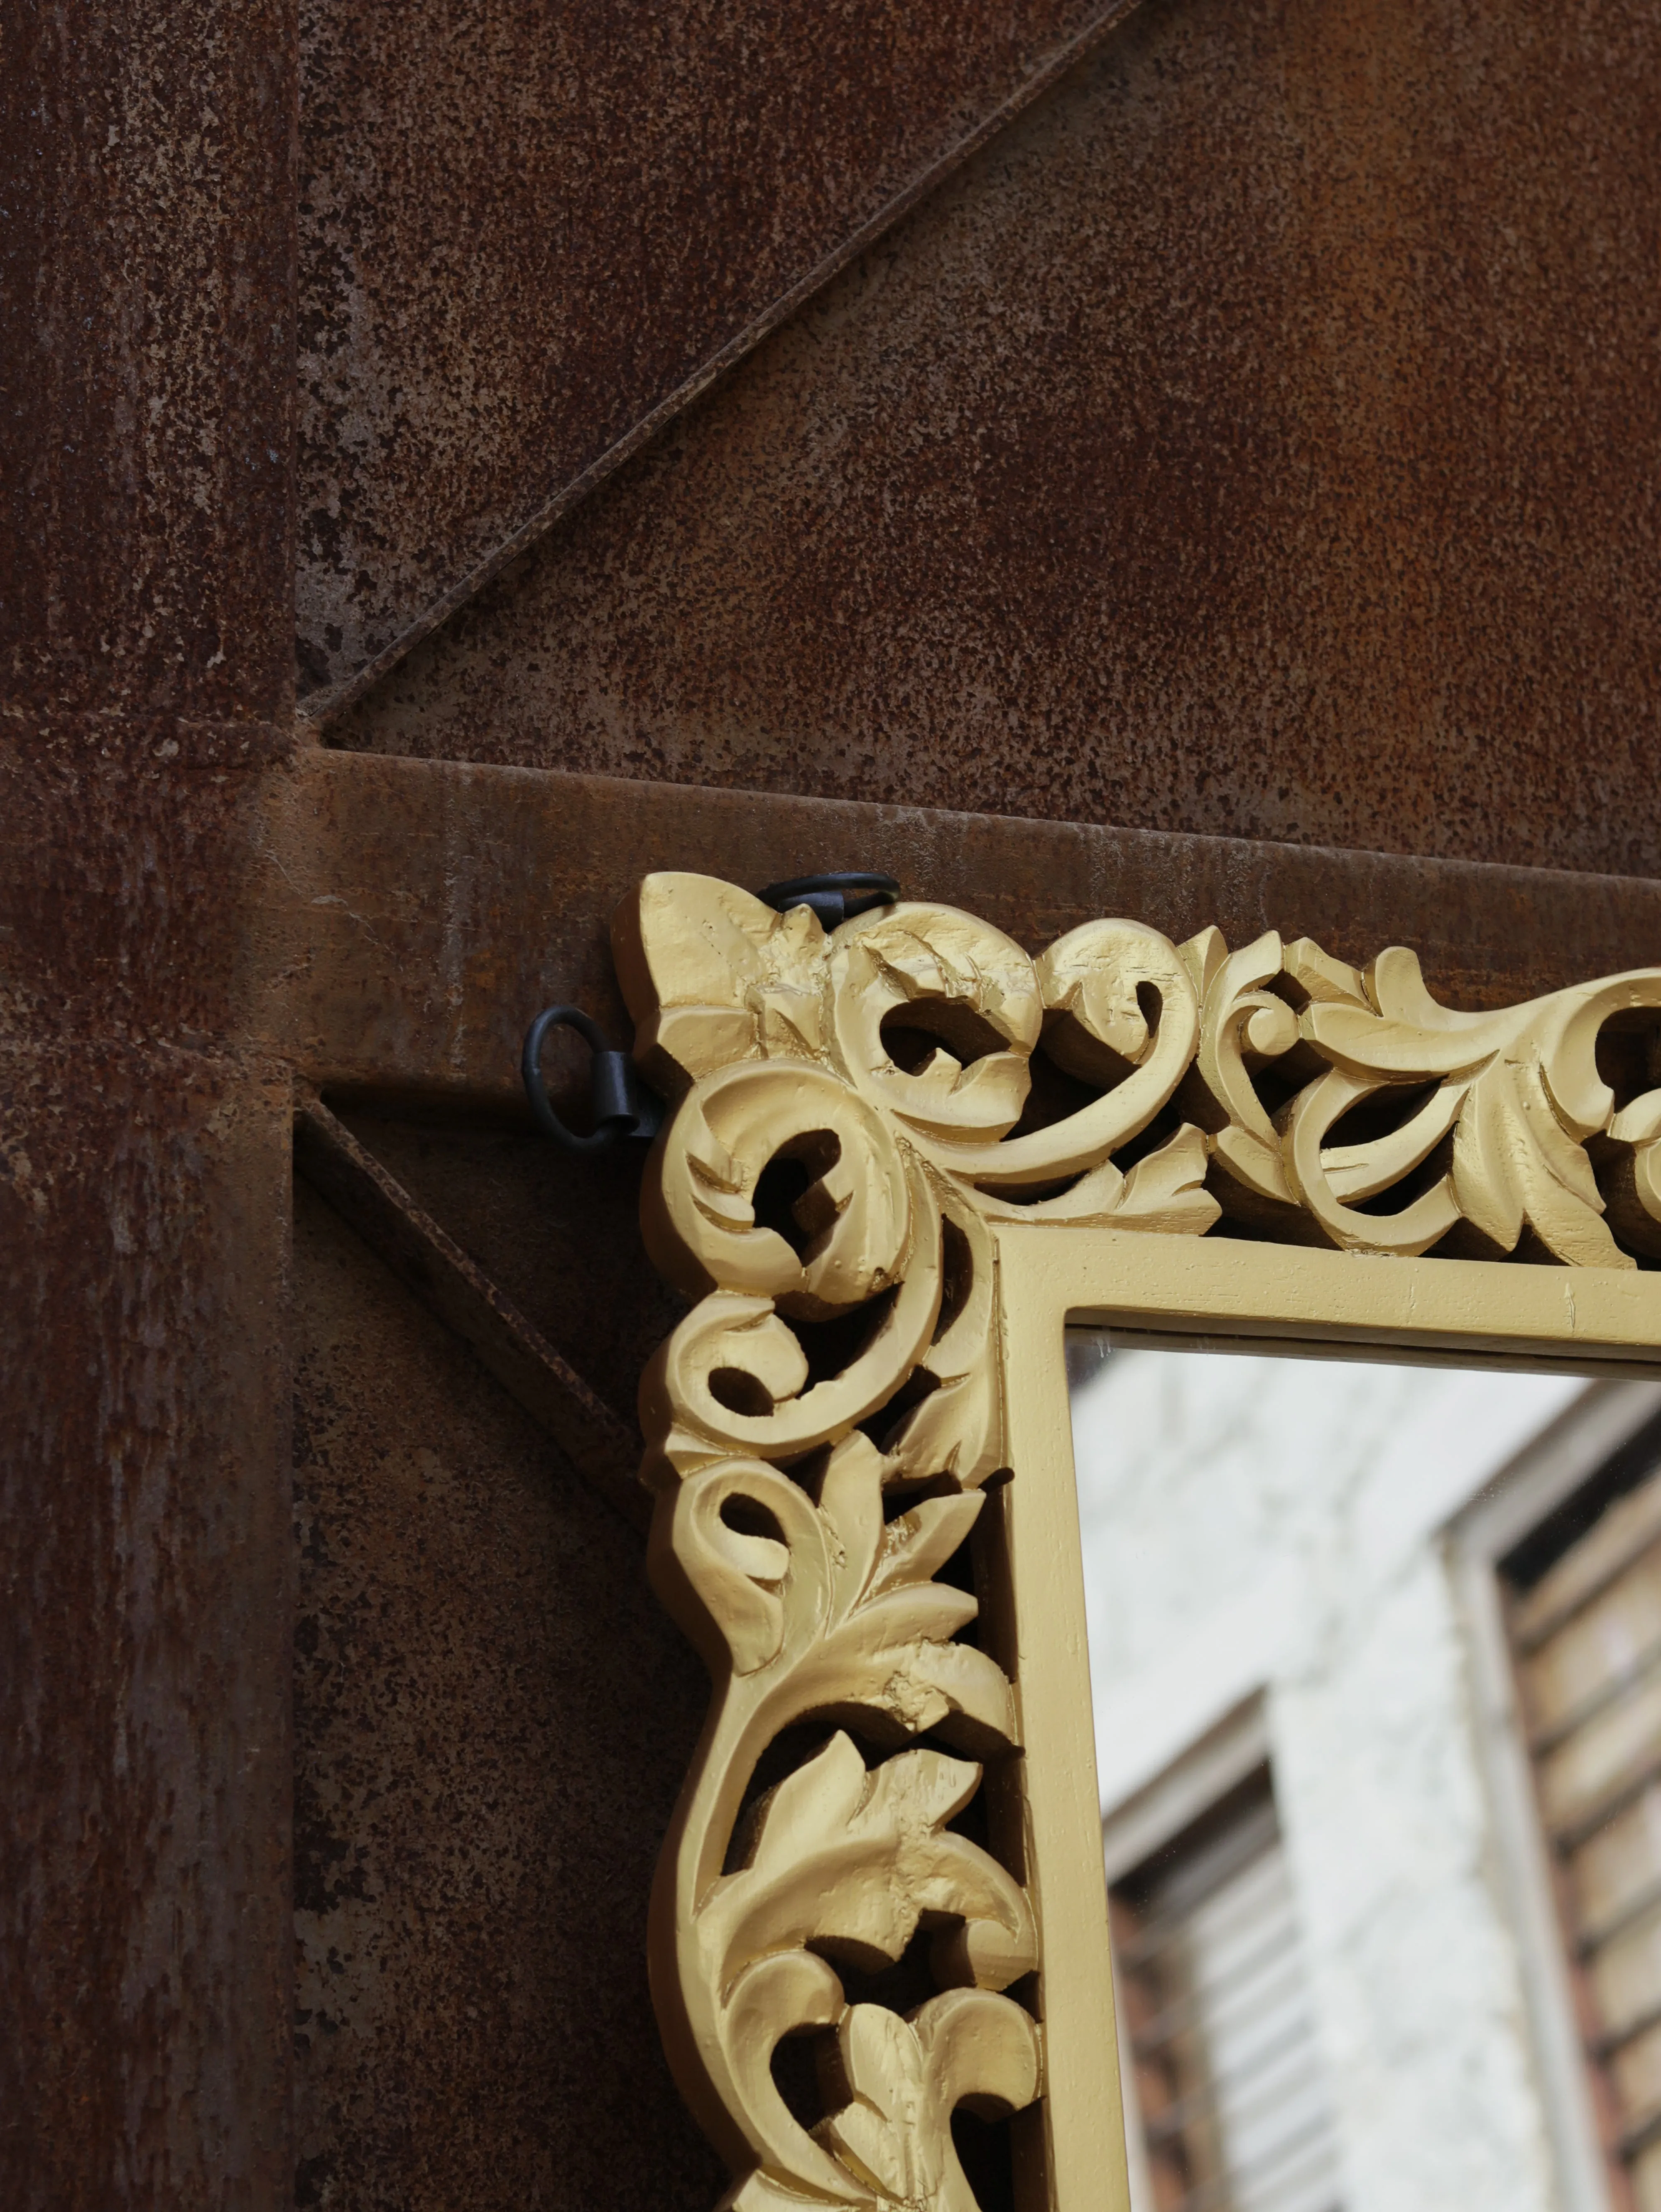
point(1365, 1948)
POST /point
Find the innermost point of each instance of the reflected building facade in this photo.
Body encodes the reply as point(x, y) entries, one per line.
point(1376, 1658)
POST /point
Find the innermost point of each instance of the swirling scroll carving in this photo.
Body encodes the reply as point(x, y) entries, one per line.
point(853, 1114)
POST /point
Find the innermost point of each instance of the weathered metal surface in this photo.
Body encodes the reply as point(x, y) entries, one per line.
point(146, 320)
point(558, 1237)
point(436, 1271)
point(1261, 438)
point(492, 1722)
point(525, 228)
point(145, 1612)
point(119, 893)
point(146, 339)
point(411, 916)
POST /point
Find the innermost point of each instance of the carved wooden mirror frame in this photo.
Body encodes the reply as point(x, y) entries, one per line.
point(888, 1210)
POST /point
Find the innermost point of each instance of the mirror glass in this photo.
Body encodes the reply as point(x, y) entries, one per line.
point(1375, 1652)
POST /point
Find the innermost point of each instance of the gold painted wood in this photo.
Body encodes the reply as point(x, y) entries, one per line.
point(878, 1211)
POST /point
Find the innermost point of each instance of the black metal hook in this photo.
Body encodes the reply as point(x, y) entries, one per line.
point(833, 898)
point(622, 1105)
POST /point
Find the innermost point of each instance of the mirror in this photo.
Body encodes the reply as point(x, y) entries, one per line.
point(1375, 1657)
point(1350, 1686)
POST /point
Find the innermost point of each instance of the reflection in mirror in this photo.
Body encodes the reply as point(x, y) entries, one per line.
point(1376, 1657)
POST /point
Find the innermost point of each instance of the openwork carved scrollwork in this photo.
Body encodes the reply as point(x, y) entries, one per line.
point(853, 1115)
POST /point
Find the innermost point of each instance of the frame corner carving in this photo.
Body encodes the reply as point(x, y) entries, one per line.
point(857, 1141)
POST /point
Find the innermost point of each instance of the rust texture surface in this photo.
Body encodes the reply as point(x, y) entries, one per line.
point(596, 1438)
point(524, 226)
point(146, 345)
point(146, 323)
point(120, 888)
point(1261, 438)
point(145, 1609)
point(493, 1718)
point(409, 917)
point(559, 1235)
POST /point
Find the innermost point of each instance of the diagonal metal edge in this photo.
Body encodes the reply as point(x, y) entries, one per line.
point(440, 1275)
point(322, 707)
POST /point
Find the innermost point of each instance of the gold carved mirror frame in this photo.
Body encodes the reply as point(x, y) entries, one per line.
point(887, 1209)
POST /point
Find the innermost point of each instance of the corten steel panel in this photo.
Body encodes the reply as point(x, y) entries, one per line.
point(1262, 437)
point(408, 918)
point(493, 1719)
point(558, 1233)
point(146, 377)
point(146, 365)
point(524, 226)
point(145, 1610)
point(120, 893)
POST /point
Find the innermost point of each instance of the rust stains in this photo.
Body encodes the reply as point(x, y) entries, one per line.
point(1261, 438)
point(492, 1720)
point(146, 343)
point(145, 1617)
point(523, 228)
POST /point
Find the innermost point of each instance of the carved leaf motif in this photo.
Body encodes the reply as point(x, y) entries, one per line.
point(1513, 1163)
point(967, 985)
point(1092, 981)
point(928, 952)
point(1519, 1089)
point(730, 1379)
point(904, 2078)
point(736, 1590)
point(1242, 1026)
point(956, 1429)
point(851, 1859)
point(836, 1607)
point(1165, 1193)
point(855, 1213)
point(884, 1067)
point(850, 1862)
point(803, 1606)
point(711, 977)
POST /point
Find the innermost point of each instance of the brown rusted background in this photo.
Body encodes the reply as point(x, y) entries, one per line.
point(145, 1629)
point(525, 226)
point(402, 914)
point(1257, 436)
point(1261, 438)
point(494, 1717)
point(146, 1577)
point(146, 334)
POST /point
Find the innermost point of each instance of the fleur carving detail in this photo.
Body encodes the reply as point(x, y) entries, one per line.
point(852, 1115)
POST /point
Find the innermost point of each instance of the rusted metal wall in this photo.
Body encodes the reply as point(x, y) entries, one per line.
point(494, 1717)
point(146, 1591)
point(144, 1631)
point(525, 226)
point(146, 349)
point(410, 914)
point(1259, 436)
point(1260, 439)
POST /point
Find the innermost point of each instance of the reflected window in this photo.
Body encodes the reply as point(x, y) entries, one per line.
point(1352, 1984)
point(1230, 2092)
point(1585, 1618)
